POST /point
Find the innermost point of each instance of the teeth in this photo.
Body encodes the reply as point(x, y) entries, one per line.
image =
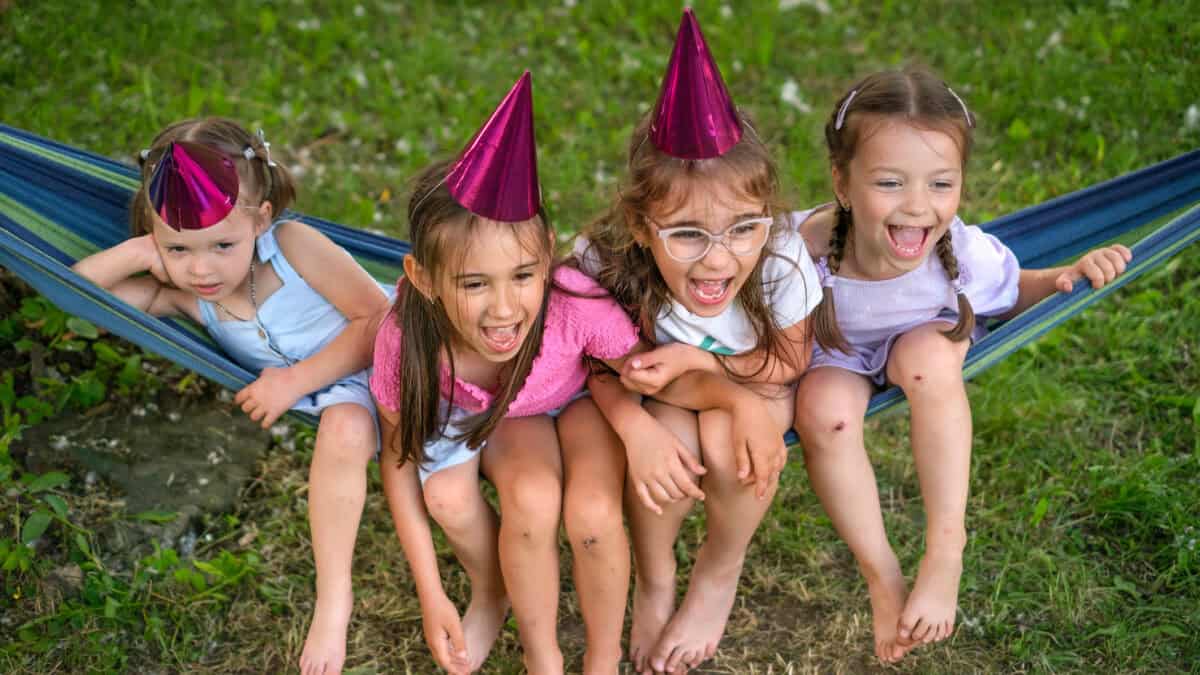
point(501, 333)
point(710, 290)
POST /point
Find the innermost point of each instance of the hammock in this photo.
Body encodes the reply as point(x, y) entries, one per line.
point(58, 204)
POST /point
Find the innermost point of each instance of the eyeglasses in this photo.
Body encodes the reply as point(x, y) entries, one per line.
point(689, 244)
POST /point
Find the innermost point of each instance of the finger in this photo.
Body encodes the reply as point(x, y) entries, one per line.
point(242, 394)
point(458, 644)
point(1108, 268)
point(1123, 250)
point(671, 487)
point(1117, 259)
point(248, 405)
point(687, 484)
point(690, 461)
point(1066, 280)
point(741, 457)
point(660, 493)
point(644, 494)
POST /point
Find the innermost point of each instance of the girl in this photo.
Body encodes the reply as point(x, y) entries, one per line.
point(691, 247)
point(277, 297)
point(903, 280)
point(484, 347)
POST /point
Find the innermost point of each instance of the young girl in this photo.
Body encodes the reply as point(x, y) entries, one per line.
point(903, 281)
point(691, 247)
point(280, 298)
point(484, 347)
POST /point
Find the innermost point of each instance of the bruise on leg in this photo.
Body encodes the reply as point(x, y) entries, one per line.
point(589, 542)
point(839, 426)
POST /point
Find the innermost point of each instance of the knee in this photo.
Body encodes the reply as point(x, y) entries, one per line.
point(448, 502)
point(592, 517)
point(534, 501)
point(928, 362)
point(346, 434)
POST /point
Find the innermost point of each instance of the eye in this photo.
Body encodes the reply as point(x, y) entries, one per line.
point(888, 183)
point(524, 276)
point(175, 250)
point(745, 229)
point(473, 285)
point(688, 235)
point(225, 245)
point(943, 185)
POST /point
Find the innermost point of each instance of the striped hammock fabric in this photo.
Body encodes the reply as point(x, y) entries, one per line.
point(58, 204)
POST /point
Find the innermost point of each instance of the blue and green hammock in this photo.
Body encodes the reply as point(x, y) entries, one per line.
point(58, 204)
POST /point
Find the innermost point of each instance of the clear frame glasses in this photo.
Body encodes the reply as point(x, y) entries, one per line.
point(689, 244)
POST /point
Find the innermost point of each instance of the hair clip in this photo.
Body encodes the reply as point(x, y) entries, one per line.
point(262, 138)
point(825, 274)
point(143, 155)
point(841, 116)
point(966, 113)
point(960, 288)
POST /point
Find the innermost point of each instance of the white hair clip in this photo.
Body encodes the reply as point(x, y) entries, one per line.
point(966, 113)
point(841, 116)
point(262, 138)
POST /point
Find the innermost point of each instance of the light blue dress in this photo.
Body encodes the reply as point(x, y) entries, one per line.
point(294, 323)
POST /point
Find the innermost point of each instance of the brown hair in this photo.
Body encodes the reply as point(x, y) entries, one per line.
point(918, 98)
point(658, 182)
point(258, 180)
point(437, 225)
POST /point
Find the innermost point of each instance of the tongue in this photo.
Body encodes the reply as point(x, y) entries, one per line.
point(908, 236)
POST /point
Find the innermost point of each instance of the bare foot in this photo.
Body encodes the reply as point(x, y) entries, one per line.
point(325, 647)
point(696, 629)
point(652, 608)
point(887, 600)
point(481, 625)
point(928, 615)
point(546, 664)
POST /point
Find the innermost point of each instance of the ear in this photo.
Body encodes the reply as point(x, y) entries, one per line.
point(418, 276)
point(265, 214)
point(840, 186)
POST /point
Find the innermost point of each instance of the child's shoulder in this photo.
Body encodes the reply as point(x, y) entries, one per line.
point(815, 226)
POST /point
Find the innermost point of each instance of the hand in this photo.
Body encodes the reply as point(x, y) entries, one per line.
point(266, 399)
point(758, 445)
point(647, 373)
point(444, 635)
point(148, 251)
point(660, 466)
point(1099, 267)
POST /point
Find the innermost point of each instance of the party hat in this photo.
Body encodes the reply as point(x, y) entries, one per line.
point(193, 186)
point(694, 117)
point(495, 176)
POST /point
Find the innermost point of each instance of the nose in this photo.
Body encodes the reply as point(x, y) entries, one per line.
point(718, 254)
point(916, 200)
point(198, 266)
point(505, 302)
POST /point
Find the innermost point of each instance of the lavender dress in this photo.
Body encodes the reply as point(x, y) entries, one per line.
point(872, 314)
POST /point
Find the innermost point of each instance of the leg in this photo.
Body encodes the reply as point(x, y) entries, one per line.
point(522, 460)
point(337, 489)
point(830, 405)
point(733, 513)
point(454, 501)
point(594, 471)
point(928, 367)
point(654, 546)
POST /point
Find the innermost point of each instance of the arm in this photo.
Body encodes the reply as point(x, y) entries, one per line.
point(334, 274)
point(112, 269)
point(402, 488)
point(1099, 267)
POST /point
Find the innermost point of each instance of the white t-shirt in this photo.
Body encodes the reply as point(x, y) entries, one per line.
point(791, 289)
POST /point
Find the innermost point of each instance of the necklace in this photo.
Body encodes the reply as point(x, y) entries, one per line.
point(253, 300)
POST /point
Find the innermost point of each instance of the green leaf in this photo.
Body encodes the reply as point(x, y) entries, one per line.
point(48, 481)
point(82, 544)
point(1039, 511)
point(156, 516)
point(83, 328)
point(110, 607)
point(58, 504)
point(35, 526)
point(1019, 131)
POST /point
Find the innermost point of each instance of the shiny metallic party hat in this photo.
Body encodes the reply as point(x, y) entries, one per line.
point(694, 117)
point(495, 176)
point(193, 186)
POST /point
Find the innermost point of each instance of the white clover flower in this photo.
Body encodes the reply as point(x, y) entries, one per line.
point(1191, 118)
point(791, 96)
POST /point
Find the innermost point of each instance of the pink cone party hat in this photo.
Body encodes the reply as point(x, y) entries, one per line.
point(495, 176)
point(193, 186)
point(694, 117)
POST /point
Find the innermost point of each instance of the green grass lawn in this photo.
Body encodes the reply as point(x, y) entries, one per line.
point(1085, 496)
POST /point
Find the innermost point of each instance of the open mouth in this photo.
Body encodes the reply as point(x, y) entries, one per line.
point(908, 242)
point(710, 291)
point(501, 339)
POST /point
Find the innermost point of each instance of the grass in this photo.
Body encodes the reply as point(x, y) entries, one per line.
point(1085, 493)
